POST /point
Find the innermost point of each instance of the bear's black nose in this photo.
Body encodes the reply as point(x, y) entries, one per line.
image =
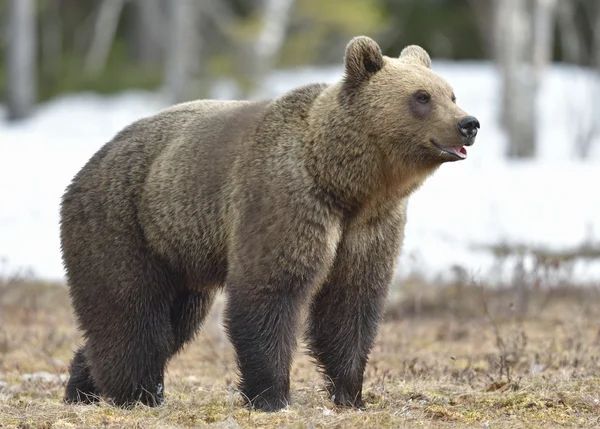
point(468, 126)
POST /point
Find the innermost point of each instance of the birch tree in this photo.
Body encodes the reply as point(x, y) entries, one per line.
point(596, 37)
point(585, 109)
point(148, 30)
point(254, 57)
point(21, 61)
point(104, 35)
point(51, 40)
point(259, 55)
point(524, 40)
point(276, 17)
point(183, 48)
point(572, 45)
point(543, 34)
point(514, 37)
point(483, 12)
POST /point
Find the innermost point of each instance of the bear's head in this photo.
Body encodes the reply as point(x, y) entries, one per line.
point(405, 107)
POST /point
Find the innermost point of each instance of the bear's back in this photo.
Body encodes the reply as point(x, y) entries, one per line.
point(190, 186)
point(183, 196)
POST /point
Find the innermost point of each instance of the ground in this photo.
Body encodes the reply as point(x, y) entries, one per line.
point(446, 356)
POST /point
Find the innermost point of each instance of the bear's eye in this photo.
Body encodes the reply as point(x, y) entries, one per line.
point(423, 97)
point(453, 98)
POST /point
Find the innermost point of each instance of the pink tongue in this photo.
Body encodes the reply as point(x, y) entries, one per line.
point(462, 150)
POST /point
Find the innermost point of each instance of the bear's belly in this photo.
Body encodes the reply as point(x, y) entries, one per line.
point(191, 241)
point(181, 215)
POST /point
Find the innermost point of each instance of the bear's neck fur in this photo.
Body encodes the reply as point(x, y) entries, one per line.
point(346, 162)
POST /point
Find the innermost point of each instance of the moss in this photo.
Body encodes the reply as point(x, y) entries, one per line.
point(439, 412)
point(213, 413)
point(473, 416)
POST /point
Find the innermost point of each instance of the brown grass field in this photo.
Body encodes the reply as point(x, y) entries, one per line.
point(446, 356)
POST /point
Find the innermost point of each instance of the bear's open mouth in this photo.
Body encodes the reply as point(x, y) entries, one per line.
point(458, 151)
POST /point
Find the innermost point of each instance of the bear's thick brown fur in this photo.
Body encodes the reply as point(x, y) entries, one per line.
point(294, 205)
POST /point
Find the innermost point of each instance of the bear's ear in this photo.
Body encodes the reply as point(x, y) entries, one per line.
point(414, 54)
point(362, 60)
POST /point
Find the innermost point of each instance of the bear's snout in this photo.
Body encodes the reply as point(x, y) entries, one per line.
point(468, 126)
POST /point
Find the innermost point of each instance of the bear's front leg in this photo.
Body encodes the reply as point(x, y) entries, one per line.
point(262, 324)
point(346, 312)
point(269, 281)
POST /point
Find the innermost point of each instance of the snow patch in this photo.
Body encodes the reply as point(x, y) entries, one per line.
point(550, 201)
point(45, 377)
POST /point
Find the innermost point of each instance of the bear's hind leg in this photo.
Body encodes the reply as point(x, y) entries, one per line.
point(127, 322)
point(121, 290)
point(80, 387)
point(130, 354)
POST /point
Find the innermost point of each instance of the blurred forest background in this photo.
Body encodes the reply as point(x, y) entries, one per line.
point(52, 47)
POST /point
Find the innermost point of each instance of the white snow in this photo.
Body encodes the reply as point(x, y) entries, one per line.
point(45, 377)
point(551, 201)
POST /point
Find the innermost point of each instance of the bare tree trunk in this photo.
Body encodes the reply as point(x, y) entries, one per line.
point(183, 48)
point(221, 15)
point(596, 64)
point(519, 82)
point(572, 45)
point(21, 61)
point(543, 34)
point(484, 12)
point(596, 40)
point(276, 18)
point(499, 28)
point(523, 290)
point(51, 41)
point(586, 109)
point(147, 31)
point(105, 30)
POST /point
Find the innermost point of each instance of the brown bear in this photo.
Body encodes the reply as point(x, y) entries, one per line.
point(294, 206)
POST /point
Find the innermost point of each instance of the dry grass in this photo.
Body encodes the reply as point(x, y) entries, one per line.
point(455, 357)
